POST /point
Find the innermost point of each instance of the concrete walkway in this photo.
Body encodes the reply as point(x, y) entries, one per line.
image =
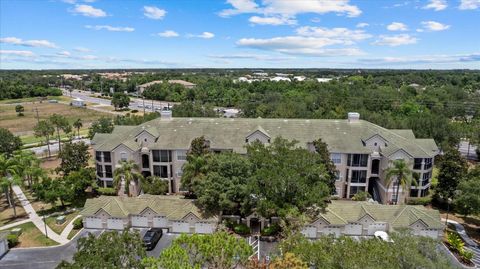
point(37, 220)
point(11, 225)
point(470, 245)
point(68, 228)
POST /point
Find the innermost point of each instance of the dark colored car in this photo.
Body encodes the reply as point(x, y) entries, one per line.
point(151, 238)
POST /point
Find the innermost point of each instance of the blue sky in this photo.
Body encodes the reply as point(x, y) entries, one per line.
point(45, 34)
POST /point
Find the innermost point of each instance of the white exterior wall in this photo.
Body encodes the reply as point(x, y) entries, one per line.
point(353, 229)
point(3, 247)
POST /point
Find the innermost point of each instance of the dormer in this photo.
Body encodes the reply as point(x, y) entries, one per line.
point(146, 137)
point(375, 142)
point(259, 134)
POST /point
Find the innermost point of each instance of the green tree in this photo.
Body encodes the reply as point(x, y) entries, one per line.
point(74, 157)
point(9, 175)
point(103, 125)
point(109, 250)
point(77, 183)
point(286, 177)
point(60, 123)
point(29, 166)
point(9, 142)
point(44, 129)
point(194, 168)
point(77, 124)
point(288, 261)
point(120, 100)
point(218, 250)
point(467, 198)
point(452, 168)
point(154, 185)
point(403, 176)
point(19, 109)
point(322, 149)
point(125, 174)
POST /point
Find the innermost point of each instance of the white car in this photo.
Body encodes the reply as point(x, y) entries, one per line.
point(383, 236)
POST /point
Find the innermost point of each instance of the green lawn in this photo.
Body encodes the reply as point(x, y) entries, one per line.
point(32, 237)
point(59, 228)
point(72, 233)
point(34, 99)
point(29, 139)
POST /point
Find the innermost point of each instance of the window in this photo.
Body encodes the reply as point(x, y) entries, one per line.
point(179, 172)
point(357, 160)
point(98, 156)
point(99, 170)
point(156, 155)
point(424, 192)
point(336, 158)
point(108, 171)
point(181, 155)
point(413, 193)
point(165, 156)
point(106, 157)
point(160, 171)
point(428, 163)
point(417, 165)
point(355, 189)
point(426, 178)
point(338, 176)
point(123, 156)
point(359, 176)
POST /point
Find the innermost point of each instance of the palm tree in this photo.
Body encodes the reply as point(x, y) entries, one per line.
point(78, 124)
point(126, 173)
point(193, 170)
point(44, 129)
point(29, 166)
point(403, 175)
point(9, 176)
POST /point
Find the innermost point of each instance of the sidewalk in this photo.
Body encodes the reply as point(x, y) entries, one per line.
point(37, 220)
point(8, 226)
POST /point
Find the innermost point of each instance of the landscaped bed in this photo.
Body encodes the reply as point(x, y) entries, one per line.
point(51, 221)
point(455, 244)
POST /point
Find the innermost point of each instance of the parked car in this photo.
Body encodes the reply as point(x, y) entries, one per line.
point(151, 238)
point(53, 101)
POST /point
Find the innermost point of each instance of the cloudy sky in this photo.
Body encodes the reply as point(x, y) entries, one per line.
point(43, 34)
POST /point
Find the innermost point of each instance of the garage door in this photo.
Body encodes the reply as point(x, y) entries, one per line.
point(3, 247)
point(180, 227)
point(353, 229)
point(372, 228)
point(310, 231)
point(139, 221)
point(115, 224)
point(160, 222)
point(93, 223)
point(204, 228)
point(429, 233)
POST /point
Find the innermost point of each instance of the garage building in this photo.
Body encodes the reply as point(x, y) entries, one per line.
point(175, 213)
point(352, 218)
point(3, 243)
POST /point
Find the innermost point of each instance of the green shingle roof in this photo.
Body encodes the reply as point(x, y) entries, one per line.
point(341, 212)
point(225, 133)
point(172, 207)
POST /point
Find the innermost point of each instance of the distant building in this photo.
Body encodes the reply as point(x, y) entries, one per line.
point(231, 113)
point(276, 79)
point(323, 80)
point(78, 102)
point(184, 83)
point(299, 78)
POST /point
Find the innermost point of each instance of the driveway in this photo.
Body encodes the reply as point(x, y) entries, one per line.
point(42, 258)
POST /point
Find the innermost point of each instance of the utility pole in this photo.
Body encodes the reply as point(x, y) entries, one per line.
point(36, 110)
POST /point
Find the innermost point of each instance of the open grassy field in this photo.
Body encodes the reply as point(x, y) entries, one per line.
point(23, 126)
point(32, 237)
point(35, 99)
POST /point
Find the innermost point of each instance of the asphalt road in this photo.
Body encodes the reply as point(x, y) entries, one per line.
point(50, 257)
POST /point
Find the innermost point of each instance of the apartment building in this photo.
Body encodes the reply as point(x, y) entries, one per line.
point(361, 151)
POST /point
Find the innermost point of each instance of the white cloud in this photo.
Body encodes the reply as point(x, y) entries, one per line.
point(110, 28)
point(397, 26)
point(272, 20)
point(205, 35)
point(154, 13)
point(289, 9)
point(259, 57)
point(22, 53)
point(395, 40)
point(362, 25)
point(89, 11)
point(28, 43)
point(346, 35)
point(419, 59)
point(168, 33)
point(82, 49)
point(436, 5)
point(469, 4)
point(64, 53)
point(87, 57)
point(434, 26)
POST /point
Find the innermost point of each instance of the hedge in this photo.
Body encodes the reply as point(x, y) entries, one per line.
point(78, 223)
point(107, 191)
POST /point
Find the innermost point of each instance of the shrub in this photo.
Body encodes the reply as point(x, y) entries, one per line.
point(420, 201)
point(241, 229)
point(361, 196)
point(467, 255)
point(12, 240)
point(455, 242)
point(271, 230)
point(134, 111)
point(78, 223)
point(107, 191)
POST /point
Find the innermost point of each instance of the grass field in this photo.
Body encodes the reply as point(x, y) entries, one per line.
point(23, 126)
point(34, 99)
point(59, 228)
point(32, 237)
